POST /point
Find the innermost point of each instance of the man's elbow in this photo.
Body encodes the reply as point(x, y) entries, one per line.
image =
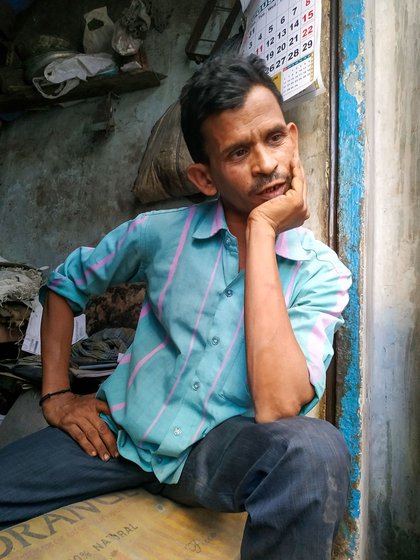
point(273, 413)
point(270, 411)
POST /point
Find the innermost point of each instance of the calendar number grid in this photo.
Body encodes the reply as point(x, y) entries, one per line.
point(282, 32)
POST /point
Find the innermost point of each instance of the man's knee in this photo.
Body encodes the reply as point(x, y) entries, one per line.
point(315, 444)
point(320, 438)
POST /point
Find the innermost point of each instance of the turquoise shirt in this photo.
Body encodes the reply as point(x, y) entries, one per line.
point(185, 372)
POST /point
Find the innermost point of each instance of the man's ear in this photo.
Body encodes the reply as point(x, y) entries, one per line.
point(199, 175)
point(294, 135)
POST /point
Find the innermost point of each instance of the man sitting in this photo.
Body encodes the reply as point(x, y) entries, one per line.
point(207, 406)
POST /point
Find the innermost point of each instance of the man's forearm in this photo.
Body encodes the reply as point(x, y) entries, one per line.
point(277, 369)
point(78, 416)
point(56, 336)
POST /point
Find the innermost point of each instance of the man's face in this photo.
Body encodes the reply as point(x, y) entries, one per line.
point(250, 152)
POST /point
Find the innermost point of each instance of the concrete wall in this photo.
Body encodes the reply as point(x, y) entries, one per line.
point(392, 415)
point(59, 188)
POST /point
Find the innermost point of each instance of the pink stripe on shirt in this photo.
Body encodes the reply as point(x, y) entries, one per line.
point(145, 310)
point(55, 282)
point(116, 407)
point(291, 285)
point(125, 359)
point(146, 358)
point(317, 336)
point(316, 347)
point(281, 245)
point(222, 366)
point(218, 220)
point(213, 274)
point(176, 258)
point(90, 270)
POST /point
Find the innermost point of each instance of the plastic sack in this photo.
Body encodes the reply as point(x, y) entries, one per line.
point(162, 172)
point(44, 87)
point(80, 66)
point(67, 73)
point(135, 19)
point(123, 43)
point(98, 32)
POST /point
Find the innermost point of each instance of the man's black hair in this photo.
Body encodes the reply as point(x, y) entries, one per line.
point(223, 82)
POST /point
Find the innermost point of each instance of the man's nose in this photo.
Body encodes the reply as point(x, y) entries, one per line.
point(264, 161)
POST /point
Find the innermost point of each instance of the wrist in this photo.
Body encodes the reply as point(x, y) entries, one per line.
point(260, 227)
point(53, 394)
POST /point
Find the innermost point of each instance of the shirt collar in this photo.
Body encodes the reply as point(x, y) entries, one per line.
point(288, 244)
point(212, 220)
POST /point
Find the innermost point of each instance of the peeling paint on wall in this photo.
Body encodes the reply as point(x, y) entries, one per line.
point(379, 204)
point(353, 79)
point(350, 238)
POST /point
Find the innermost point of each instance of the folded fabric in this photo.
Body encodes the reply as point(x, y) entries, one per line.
point(103, 346)
point(18, 282)
point(81, 66)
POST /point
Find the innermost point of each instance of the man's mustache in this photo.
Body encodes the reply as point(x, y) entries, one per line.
point(265, 180)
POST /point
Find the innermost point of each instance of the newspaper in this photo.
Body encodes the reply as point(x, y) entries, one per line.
point(32, 340)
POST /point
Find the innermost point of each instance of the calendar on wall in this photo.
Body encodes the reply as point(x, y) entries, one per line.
point(287, 34)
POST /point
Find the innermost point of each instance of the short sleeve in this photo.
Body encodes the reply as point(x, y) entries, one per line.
point(315, 313)
point(119, 257)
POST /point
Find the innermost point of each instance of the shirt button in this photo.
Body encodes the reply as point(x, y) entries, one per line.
point(158, 459)
point(229, 293)
point(215, 340)
point(177, 431)
point(227, 241)
point(196, 386)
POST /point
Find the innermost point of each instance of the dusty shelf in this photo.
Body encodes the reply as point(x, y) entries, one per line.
point(27, 97)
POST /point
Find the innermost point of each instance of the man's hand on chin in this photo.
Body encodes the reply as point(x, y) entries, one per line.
point(288, 210)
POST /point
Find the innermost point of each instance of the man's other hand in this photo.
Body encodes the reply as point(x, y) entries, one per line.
point(79, 417)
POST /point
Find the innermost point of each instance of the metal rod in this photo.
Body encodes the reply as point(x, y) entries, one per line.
point(333, 133)
point(331, 386)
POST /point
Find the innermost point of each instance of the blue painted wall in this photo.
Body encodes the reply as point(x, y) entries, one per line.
point(350, 220)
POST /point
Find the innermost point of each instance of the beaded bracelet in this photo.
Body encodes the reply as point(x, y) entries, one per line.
point(49, 395)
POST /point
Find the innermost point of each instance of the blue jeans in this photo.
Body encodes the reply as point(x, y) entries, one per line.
point(291, 476)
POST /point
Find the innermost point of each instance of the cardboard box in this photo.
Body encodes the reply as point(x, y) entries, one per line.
point(129, 525)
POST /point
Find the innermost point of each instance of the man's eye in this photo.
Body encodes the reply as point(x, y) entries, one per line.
point(277, 137)
point(238, 153)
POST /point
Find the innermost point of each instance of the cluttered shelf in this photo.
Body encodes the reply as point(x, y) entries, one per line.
point(27, 97)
